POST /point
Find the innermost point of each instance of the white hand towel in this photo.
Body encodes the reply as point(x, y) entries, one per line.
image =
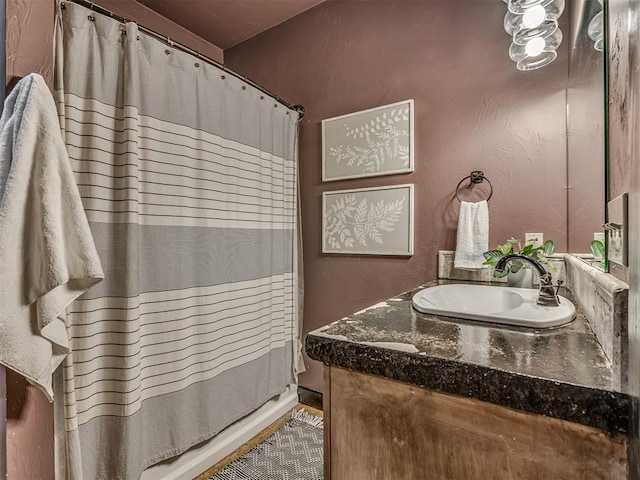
point(47, 254)
point(473, 235)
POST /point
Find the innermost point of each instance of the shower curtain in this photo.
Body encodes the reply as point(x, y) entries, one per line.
point(188, 178)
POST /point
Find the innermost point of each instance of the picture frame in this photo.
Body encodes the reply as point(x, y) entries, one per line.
point(368, 143)
point(368, 221)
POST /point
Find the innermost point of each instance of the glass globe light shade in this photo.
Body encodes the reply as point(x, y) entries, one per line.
point(596, 27)
point(512, 22)
point(516, 52)
point(552, 42)
point(599, 44)
point(546, 55)
point(596, 31)
point(531, 18)
point(553, 7)
point(546, 28)
point(539, 61)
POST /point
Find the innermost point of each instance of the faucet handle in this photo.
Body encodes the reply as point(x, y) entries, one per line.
point(546, 279)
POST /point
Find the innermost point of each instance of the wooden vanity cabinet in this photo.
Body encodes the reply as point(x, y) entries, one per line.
point(381, 429)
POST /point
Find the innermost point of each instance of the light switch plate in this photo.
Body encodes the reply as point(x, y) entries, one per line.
point(616, 228)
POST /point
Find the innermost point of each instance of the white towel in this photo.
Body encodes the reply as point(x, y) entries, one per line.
point(47, 254)
point(473, 235)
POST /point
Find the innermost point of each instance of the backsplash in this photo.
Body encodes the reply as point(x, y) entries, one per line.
point(603, 299)
point(447, 271)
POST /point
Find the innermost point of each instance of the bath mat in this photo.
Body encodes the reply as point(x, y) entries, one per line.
point(293, 452)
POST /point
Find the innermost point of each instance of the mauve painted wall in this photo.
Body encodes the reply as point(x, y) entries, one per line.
point(30, 34)
point(30, 452)
point(30, 38)
point(30, 24)
point(29, 414)
point(228, 23)
point(585, 129)
point(132, 10)
point(473, 110)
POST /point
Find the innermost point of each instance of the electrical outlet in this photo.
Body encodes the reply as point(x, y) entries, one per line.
point(538, 236)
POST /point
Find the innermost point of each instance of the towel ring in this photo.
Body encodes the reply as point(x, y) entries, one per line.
point(477, 176)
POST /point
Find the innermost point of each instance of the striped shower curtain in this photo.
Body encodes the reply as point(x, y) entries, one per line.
point(188, 178)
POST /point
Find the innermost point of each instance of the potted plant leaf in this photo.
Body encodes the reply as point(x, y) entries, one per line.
point(597, 249)
point(519, 273)
point(599, 253)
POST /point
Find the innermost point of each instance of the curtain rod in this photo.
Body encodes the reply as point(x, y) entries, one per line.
point(167, 41)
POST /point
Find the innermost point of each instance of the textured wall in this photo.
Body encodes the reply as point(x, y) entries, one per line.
point(585, 129)
point(620, 46)
point(132, 10)
point(212, 24)
point(474, 110)
point(621, 94)
point(29, 414)
point(30, 38)
point(30, 34)
point(624, 167)
point(29, 431)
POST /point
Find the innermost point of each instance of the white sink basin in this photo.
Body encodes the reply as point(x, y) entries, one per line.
point(505, 305)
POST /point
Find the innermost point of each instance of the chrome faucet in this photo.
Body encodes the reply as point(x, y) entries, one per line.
point(546, 295)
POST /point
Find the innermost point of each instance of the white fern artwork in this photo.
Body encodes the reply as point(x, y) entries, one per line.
point(369, 221)
point(377, 141)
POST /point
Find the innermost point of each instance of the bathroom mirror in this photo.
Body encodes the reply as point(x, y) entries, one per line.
point(586, 100)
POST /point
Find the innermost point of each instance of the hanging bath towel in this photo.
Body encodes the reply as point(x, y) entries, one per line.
point(473, 235)
point(47, 253)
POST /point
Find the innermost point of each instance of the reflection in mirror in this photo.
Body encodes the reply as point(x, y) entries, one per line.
point(590, 260)
point(585, 129)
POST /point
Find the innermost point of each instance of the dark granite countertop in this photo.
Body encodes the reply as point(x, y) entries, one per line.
point(559, 372)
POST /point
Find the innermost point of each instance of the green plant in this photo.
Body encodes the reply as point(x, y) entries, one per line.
point(514, 245)
point(598, 251)
point(597, 248)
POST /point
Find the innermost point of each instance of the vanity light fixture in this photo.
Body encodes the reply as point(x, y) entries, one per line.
point(533, 27)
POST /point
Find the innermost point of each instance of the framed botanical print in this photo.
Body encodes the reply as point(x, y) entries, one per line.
point(378, 141)
point(368, 221)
